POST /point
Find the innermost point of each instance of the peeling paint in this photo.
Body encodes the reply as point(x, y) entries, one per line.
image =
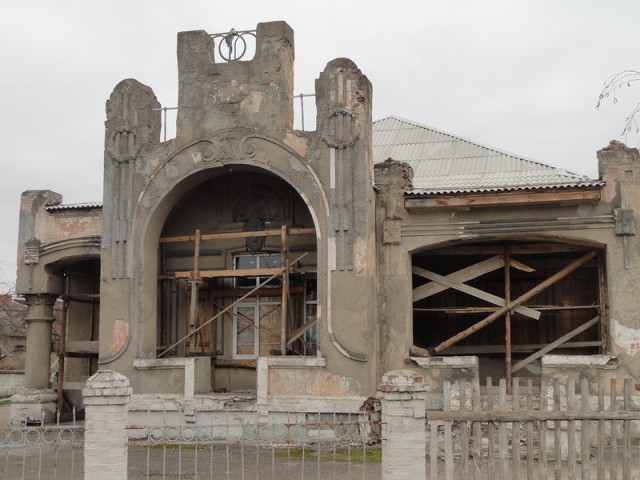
point(308, 382)
point(360, 258)
point(297, 143)
point(119, 335)
point(626, 339)
point(252, 102)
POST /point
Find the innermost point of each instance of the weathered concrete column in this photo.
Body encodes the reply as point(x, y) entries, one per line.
point(37, 402)
point(106, 401)
point(39, 320)
point(403, 396)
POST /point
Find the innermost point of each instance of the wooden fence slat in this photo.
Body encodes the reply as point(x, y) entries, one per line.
point(613, 471)
point(557, 432)
point(626, 432)
point(530, 431)
point(491, 466)
point(503, 445)
point(477, 431)
point(515, 444)
point(571, 430)
point(448, 436)
point(464, 433)
point(600, 452)
point(585, 440)
point(458, 436)
point(548, 415)
point(434, 425)
point(542, 466)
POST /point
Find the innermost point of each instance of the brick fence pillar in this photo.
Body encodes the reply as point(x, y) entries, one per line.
point(403, 396)
point(106, 401)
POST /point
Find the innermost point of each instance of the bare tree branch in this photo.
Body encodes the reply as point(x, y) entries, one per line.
point(611, 86)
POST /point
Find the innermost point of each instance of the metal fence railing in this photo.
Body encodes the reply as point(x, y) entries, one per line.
point(316, 447)
point(42, 451)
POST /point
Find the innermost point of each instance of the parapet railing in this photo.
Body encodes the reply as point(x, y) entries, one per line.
point(298, 114)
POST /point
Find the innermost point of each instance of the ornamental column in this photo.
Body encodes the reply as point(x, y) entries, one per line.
point(37, 402)
point(39, 322)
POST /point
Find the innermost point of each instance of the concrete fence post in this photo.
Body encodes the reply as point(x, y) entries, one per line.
point(403, 396)
point(106, 401)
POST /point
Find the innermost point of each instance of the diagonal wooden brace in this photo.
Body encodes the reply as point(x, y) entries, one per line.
point(488, 297)
point(511, 305)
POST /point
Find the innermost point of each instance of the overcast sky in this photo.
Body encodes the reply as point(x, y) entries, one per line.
point(519, 76)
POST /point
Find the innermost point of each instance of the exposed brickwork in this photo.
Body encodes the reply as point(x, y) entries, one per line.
point(106, 401)
point(403, 396)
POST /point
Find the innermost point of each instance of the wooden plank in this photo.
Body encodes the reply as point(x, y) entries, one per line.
point(298, 332)
point(232, 235)
point(519, 265)
point(229, 363)
point(433, 448)
point(503, 444)
point(529, 430)
point(463, 310)
point(464, 432)
point(557, 432)
point(461, 276)
point(475, 292)
point(465, 201)
point(491, 444)
point(613, 397)
point(555, 344)
point(516, 249)
point(602, 301)
point(521, 299)
point(249, 272)
point(284, 252)
point(193, 307)
point(600, 460)
point(515, 428)
point(626, 431)
point(482, 349)
point(534, 416)
point(507, 316)
point(585, 440)
point(477, 431)
point(571, 430)
point(542, 426)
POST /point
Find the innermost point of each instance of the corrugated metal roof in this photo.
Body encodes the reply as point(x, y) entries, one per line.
point(73, 206)
point(444, 163)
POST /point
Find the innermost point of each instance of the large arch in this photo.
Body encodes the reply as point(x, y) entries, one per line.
point(459, 289)
point(156, 204)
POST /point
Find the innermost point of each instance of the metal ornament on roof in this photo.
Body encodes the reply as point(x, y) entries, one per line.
point(232, 46)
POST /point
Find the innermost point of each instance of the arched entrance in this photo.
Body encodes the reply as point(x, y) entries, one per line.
point(237, 275)
point(556, 294)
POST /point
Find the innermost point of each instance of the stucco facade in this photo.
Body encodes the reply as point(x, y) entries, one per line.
point(164, 253)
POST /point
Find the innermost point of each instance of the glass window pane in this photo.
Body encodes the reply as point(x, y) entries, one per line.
point(271, 261)
point(245, 262)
